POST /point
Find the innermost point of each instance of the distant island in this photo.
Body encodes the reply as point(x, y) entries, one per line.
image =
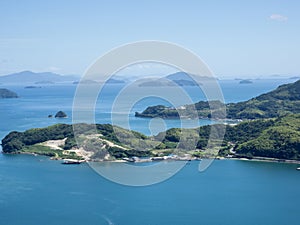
point(169, 83)
point(183, 82)
point(109, 81)
point(272, 139)
point(246, 82)
point(283, 100)
point(175, 79)
point(61, 114)
point(5, 93)
point(85, 82)
point(32, 87)
point(44, 82)
point(156, 83)
point(115, 81)
point(187, 77)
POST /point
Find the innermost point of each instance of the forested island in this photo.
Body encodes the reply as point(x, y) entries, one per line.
point(273, 138)
point(285, 99)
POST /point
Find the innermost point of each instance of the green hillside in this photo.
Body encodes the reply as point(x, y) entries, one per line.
point(281, 140)
point(283, 100)
point(276, 138)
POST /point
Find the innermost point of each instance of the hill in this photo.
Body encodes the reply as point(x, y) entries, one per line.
point(285, 99)
point(278, 138)
point(174, 79)
point(281, 101)
point(185, 76)
point(105, 144)
point(275, 138)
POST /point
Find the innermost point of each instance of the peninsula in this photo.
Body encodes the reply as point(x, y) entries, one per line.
point(272, 138)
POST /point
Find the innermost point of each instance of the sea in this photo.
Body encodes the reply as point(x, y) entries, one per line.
point(35, 190)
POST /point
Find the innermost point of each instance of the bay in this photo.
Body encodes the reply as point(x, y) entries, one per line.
point(35, 104)
point(35, 190)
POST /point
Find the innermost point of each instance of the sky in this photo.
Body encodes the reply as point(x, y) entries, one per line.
point(242, 38)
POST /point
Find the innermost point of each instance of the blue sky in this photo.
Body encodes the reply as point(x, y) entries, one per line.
point(243, 38)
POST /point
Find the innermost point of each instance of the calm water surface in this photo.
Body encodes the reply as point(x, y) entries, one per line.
point(36, 190)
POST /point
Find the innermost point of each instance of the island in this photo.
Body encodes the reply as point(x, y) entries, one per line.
point(32, 87)
point(169, 83)
point(109, 81)
point(5, 93)
point(246, 82)
point(183, 82)
point(85, 82)
point(265, 139)
point(188, 77)
point(175, 79)
point(44, 82)
point(60, 114)
point(281, 101)
point(115, 81)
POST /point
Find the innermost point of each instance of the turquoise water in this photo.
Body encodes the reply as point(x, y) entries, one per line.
point(34, 105)
point(36, 190)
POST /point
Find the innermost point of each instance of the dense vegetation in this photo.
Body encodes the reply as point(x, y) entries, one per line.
point(280, 140)
point(16, 141)
point(283, 100)
point(275, 138)
point(31, 140)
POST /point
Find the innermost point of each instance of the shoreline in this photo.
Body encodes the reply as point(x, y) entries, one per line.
point(143, 160)
point(272, 160)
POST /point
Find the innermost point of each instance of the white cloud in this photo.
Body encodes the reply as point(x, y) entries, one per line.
point(278, 17)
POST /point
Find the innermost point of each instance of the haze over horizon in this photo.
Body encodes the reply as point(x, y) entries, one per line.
point(245, 39)
point(137, 73)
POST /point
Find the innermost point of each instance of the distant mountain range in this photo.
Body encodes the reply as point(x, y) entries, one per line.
point(29, 77)
point(38, 78)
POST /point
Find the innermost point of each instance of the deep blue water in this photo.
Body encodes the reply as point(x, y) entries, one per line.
point(36, 190)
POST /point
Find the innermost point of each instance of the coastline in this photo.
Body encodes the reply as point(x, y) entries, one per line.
point(153, 159)
point(265, 159)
